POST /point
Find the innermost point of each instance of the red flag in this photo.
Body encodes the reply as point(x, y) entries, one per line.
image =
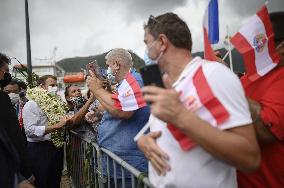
point(255, 41)
point(210, 26)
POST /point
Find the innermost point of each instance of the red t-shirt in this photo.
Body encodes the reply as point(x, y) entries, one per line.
point(269, 92)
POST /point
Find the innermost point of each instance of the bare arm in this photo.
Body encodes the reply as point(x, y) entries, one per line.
point(105, 98)
point(167, 106)
point(64, 121)
point(222, 144)
point(262, 131)
point(107, 102)
point(77, 118)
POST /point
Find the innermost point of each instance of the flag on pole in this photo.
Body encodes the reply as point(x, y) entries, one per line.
point(211, 29)
point(255, 41)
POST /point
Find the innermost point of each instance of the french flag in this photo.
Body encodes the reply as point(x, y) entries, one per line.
point(128, 96)
point(255, 41)
point(211, 29)
point(210, 108)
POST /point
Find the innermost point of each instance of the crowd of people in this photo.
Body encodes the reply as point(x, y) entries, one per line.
point(206, 128)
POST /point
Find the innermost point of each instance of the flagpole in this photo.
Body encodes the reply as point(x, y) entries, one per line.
point(230, 49)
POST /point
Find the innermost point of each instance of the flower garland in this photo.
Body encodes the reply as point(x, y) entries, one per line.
point(53, 107)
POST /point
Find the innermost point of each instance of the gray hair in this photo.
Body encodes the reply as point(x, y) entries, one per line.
point(121, 55)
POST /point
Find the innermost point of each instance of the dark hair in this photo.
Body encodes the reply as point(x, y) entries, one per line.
point(22, 84)
point(277, 19)
point(14, 82)
point(4, 59)
point(173, 27)
point(66, 92)
point(42, 80)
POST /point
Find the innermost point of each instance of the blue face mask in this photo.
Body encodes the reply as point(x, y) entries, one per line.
point(147, 59)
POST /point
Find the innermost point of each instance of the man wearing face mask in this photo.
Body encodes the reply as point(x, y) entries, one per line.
point(47, 159)
point(10, 127)
point(13, 90)
point(125, 113)
point(199, 119)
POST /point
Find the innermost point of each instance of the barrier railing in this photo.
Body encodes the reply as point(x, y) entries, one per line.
point(85, 164)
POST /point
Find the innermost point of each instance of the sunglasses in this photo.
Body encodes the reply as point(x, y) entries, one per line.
point(154, 19)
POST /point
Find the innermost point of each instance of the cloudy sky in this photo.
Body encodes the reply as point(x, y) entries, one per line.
point(89, 27)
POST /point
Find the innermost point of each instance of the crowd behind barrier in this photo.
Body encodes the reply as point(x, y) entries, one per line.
point(84, 161)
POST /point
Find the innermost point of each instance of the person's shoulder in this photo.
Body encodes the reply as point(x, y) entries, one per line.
point(30, 104)
point(217, 70)
point(3, 94)
point(278, 71)
point(137, 77)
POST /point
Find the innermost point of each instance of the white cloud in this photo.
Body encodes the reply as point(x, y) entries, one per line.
point(89, 27)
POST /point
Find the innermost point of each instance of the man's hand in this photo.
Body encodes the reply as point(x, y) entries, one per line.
point(25, 184)
point(165, 103)
point(66, 120)
point(92, 97)
point(157, 157)
point(94, 83)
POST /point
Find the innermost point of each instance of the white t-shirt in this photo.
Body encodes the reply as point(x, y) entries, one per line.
point(195, 167)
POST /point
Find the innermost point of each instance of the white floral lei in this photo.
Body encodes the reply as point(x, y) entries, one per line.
point(53, 107)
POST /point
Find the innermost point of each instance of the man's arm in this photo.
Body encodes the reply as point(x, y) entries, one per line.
point(262, 131)
point(222, 144)
point(105, 98)
point(31, 119)
point(77, 118)
point(107, 102)
point(166, 105)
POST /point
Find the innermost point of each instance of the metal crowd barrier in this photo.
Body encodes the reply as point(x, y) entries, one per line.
point(84, 161)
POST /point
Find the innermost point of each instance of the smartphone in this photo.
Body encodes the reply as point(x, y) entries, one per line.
point(95, 68)
point(151, 75)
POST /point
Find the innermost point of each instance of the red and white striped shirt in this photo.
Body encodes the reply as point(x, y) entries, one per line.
point(220, 99)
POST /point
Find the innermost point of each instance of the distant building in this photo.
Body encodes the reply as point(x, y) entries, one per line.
point(40, 70)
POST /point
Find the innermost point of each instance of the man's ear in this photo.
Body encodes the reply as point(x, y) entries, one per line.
point(116, 65)
point(43, 86)
point(164, 41)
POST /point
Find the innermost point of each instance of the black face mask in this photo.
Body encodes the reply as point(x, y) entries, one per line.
point(6, 80)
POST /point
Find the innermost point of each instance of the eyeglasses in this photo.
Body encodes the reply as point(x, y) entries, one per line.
point(154, 19)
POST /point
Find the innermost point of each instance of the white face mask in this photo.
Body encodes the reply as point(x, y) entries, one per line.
point(52, 90)
point(109, 71)
point(110, 76)
point(14, 98)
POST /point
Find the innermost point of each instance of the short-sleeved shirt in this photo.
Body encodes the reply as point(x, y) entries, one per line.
point(196, 167)
point(117, 134)
point(269, 92)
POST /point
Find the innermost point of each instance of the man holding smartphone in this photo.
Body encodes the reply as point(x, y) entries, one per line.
point(125, 114)
point(200, 124)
